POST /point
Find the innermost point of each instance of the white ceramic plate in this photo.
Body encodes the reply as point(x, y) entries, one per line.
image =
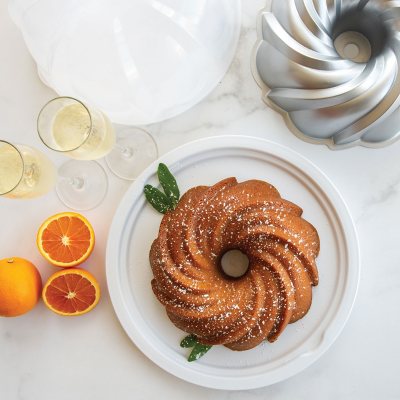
point(205, 162)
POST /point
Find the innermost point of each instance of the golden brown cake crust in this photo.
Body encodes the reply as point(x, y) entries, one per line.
point(276, 290)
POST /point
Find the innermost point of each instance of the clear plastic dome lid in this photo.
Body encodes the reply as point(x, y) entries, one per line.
point(140, 61)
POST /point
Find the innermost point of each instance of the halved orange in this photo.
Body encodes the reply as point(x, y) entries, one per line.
point(66, 239)
point(71, 291)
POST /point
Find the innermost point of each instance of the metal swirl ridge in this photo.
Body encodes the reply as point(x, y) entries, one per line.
point(331, 68)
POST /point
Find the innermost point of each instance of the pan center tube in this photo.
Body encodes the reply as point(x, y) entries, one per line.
point(353, 46)
point(361, 33)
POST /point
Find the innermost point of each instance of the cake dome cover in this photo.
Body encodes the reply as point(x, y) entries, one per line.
point(140, 61)
point(332, 69)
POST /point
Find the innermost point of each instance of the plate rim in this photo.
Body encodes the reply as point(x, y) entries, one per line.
point(351, 284)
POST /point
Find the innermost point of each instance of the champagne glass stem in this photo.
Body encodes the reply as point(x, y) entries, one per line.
point(29, 174)
point(126, 151)
point(82, 185)
point(76, 182)
point(134, 150)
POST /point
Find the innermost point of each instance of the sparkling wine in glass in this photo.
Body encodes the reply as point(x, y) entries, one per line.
point(84, 133)
point(69, 126)
point(24, 171)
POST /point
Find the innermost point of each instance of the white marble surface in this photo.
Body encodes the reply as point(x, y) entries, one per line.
point(44, 356)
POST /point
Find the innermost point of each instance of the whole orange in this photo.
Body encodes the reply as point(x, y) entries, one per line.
point(20, 286)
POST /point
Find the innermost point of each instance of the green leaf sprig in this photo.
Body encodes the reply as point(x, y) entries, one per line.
point(198, 349)
point(168, 183)
point(167, 200)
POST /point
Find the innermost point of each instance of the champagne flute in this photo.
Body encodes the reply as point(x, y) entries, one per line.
point(84, 133)
point(24, 171)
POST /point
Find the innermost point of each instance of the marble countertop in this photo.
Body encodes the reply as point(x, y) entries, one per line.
point(46, 357)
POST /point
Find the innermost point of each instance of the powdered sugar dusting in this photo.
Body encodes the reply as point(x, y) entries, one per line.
point(188, 279)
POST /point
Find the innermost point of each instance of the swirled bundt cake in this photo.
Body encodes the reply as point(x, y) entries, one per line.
point(186, 257)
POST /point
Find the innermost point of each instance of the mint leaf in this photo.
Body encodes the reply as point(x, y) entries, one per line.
point(198, 351)
point(189, 341)
point(168, 183)
point(157, 199)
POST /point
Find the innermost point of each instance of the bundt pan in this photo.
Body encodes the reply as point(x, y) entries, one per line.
point(331, 67)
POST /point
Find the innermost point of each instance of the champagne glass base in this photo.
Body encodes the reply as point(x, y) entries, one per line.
point(134, 151)
point(82, 185)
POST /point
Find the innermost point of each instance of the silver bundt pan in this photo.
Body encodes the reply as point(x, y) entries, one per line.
point(331, 67)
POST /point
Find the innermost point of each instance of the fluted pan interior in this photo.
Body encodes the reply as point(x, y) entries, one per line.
point(331, 67)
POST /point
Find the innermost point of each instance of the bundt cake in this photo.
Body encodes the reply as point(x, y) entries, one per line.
point(186, 257)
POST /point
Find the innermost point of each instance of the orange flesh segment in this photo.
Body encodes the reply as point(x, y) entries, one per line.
point(75, 234)
point(70, 293)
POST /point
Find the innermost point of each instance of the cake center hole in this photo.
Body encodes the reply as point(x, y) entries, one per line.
point(234, 263)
